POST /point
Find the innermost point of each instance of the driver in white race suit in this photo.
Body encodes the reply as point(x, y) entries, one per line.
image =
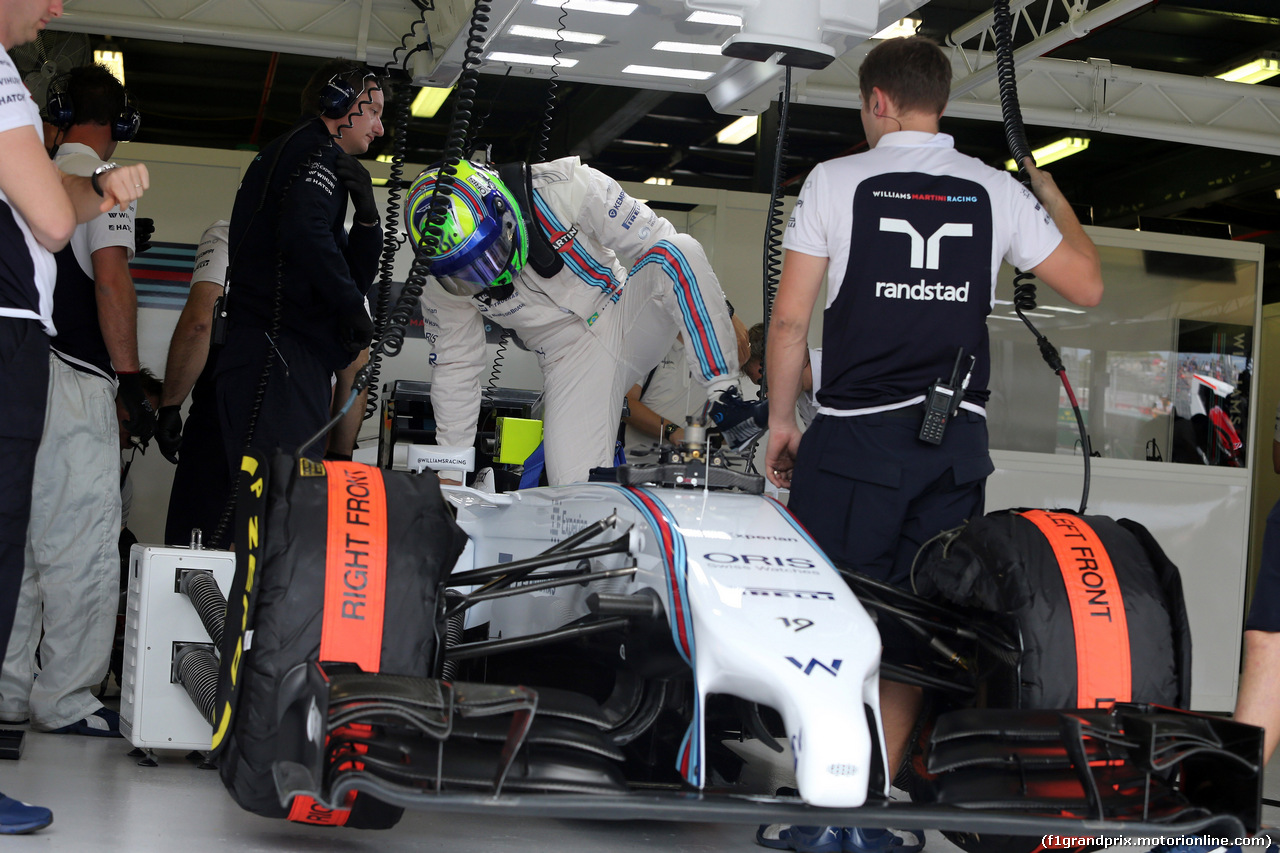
point(540, 250)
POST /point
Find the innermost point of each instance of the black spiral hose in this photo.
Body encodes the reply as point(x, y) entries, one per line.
point(1007, 79)
point(538, 153)
point(773, 229)
point(495, 370)
point(1024, 289)
point(390, 243)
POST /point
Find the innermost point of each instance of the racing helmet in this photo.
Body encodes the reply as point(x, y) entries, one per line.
point(483, 242)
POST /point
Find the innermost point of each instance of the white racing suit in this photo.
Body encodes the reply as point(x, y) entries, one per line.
point(596, 328)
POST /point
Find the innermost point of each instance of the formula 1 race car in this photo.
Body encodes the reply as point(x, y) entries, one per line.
point(589, 651)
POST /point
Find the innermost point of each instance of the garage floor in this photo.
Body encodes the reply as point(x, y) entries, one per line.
point(103, 801)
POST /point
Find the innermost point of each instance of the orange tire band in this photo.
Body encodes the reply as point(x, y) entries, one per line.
point(355, 590)
point(1103, 674)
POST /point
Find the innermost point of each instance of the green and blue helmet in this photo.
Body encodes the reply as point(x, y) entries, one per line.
point(482, 241)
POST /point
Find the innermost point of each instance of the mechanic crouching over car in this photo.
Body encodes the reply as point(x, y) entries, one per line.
point(536, 248)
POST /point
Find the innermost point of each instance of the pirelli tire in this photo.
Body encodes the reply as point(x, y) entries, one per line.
point(280, 597)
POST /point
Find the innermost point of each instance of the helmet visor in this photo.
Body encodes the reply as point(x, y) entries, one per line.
point(484, 266)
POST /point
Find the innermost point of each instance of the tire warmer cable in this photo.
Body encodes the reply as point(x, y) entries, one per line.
point(1024, 289)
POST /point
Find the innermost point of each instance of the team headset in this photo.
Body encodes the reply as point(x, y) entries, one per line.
point(338, 96)
point(61, 113)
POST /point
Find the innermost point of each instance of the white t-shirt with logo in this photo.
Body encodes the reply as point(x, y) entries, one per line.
point(26, 285)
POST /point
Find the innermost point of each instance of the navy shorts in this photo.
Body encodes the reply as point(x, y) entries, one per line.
point(871, 493)
point(1264, 612)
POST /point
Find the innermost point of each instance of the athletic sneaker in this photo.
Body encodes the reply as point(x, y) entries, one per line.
point(838, 839)
point(738, 420)
point(802, 839)
point(18, 818)
point(103, 722)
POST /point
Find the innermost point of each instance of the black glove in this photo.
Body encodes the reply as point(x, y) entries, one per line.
point(169, 432)
point(356, 179)
point(142, 418)
point(355, 329)
point(143, 229)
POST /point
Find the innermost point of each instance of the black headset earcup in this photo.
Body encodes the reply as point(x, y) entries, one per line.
point(126, 125)
point(336, 98)
point(58, 109)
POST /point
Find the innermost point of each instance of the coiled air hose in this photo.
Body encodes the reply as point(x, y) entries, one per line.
point(198, 674)
point(1024, 289)
point(209, 602)
point(773, 228)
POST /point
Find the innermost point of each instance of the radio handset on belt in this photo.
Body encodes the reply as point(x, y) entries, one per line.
point(218, 328)
point(943, 401)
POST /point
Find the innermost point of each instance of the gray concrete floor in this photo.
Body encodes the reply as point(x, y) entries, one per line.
point(103, 801)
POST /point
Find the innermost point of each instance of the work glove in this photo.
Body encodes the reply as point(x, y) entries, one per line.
point(356, 179)
point(355, 329)
point(143, 229)
point(169, 432)
point(142, 418)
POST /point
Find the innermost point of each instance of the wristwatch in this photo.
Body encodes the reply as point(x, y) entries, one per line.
point(101, 170)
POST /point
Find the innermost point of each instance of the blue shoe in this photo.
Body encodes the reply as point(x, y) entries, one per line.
point(855, 840)
point(802, 839)
point(738, 420)
point(18, 818)
point(103, 722)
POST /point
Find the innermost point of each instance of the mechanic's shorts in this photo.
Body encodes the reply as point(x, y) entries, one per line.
point(1264, 612)
point(871, 493)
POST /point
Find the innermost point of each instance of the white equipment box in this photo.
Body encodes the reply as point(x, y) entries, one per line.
point(155, 711)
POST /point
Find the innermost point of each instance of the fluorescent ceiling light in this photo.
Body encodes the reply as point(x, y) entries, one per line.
point(604, 7)
point(1054, 151)
point(1253, 72)
point(531, 59)
point(688, 47)
point(718, 18)
point(658, 71)
point(555, 35)
point(899, 29)
point(428, 101)
point(739, 131)
point(114, 60)
point(1061, 309)
point(661, 182)
point(647, 144)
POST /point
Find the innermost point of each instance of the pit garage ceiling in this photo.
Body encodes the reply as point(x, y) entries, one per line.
point(1168, 140)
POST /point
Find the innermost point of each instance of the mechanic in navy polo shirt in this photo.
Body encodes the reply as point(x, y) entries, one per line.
point(909, 236)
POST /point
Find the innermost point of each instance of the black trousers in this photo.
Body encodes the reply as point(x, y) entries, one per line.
point(201, 482)
point(296, 403)
point(24, 387)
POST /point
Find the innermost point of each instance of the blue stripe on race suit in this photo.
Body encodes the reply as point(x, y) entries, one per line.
point(674, 558)
point(585, 267)
point(697, 320)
